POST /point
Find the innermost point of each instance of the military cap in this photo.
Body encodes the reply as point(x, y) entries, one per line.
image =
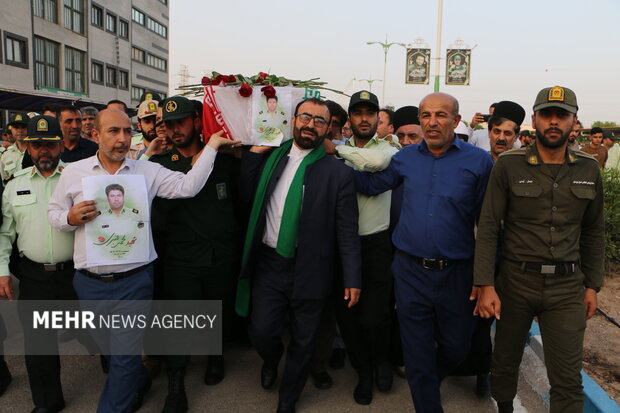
point(18, 118)
point(407, 115)
point(177, 107)
point(364, 96)
point(44, 128)
point(147, 108)
point(509, 110)
point(150, 96)
point(556, 97)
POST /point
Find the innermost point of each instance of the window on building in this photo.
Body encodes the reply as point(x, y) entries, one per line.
point(16, 50)
point(137, 16)
point(110, 23)
point(46, 62)
point(137, 92)
point(123, 79)
point(137, 54)
point(75, 70)
point(123, 29)
point(111, 78)
point(96, 16)
point(156, 62)
point(156, 27)
point(74, 15)
point(96, 70)
point(46, 9)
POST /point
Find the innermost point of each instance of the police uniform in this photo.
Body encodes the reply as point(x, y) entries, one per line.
point(45, 264)
point(200, 251)
point(11, 159)
point(265, 120)
point(552, 246)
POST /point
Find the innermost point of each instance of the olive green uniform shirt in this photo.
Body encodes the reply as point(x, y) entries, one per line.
point(10, 162)
point(547, 217)
point(24, 209)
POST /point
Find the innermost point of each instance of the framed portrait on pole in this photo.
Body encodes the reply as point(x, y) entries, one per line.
point(458, 64)
point(417, 67)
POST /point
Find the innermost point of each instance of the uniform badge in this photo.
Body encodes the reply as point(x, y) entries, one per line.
point(24, 192)
point(221, 191)
point(175, 157)
point(148, 96)
point(135, 211)
point(60, 168)
point(18, 117)
point(105, 226)
point(533, 160)
point(365, 95)
point(140, 224)
point(556, 94)
point(171, 106)
point(152, 107)
point(42, 125)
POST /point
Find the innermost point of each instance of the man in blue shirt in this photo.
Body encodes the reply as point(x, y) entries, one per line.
point(444, 182)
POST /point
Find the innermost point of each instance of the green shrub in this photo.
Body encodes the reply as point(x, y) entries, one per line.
point(611, 186)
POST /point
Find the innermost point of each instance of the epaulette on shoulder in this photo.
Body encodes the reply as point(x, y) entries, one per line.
point(23, 172)
point(518, 151)
point(161, 154)
point(582, 154)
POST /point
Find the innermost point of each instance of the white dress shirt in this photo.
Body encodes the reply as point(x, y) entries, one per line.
point(275, 204)
point(160, 181)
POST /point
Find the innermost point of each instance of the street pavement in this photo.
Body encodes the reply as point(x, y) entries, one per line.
point(241, 391)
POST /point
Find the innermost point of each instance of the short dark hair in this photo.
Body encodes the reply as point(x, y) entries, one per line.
point(66, 108)
point(50, 107)
point(596, 129)
point(498, 120)
point(271, 97)
point(197, 108)
point(525, 133)
point(337, 111)
point(390, 114)
point(117, 101)
point(114, 187)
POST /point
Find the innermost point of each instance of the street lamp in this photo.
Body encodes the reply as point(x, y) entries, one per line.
point(386, 46)
point(370, 81)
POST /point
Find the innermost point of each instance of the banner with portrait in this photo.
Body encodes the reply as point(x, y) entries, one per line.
point(458, 63)
point(121, 232)
point(417, 67)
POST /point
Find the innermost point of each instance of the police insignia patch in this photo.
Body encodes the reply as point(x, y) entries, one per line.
point(556, 94)
point(148, 96)
point(221, 191)
point(42, 126)
point(533, 160)
point(365, 95)
point(175, 157)
point(152, 107)
point(135, 211)
point(171, 106)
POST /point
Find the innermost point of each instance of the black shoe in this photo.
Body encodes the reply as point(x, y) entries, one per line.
point(105, 364)
point(176, 400)
point(285, 408)
point(51, 409)
point(363, 391)
point(505, 407)
point(336, 361)
point(215, 370)
point(322, 380)
point(139, 397)
point(482, 385)
point(5, 377)
point(268, 375)
point(384, 376)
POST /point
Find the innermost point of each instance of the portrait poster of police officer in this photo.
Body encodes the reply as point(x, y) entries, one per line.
point(120, 233)
point(271, 118)
point(458, 63)
point(418, 61)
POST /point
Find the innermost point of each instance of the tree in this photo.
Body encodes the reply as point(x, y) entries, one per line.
point(603, 124)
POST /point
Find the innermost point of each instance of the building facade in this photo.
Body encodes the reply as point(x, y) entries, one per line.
point(81, 50)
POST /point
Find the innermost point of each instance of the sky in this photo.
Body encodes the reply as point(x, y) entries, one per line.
point(520, 47)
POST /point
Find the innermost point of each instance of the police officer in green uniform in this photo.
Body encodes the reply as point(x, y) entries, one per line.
point(549, 201)
point(45, 254)
point(200, 249)
point(271, 122)
point(11, 159)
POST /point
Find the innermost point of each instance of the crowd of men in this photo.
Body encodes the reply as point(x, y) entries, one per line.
point(397, 237)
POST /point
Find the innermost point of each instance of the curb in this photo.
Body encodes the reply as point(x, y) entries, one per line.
point(596, 399)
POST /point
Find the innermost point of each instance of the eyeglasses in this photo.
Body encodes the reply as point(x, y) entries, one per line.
point(305, 118)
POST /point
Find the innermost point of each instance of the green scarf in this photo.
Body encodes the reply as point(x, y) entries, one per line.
point(287, 237)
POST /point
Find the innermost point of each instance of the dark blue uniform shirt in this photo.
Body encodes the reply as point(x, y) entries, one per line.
point(441, 201)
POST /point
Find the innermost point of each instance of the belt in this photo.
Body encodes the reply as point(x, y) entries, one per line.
point(112, 276)
point(554, 268)
point(59, 266)
point(430, 263)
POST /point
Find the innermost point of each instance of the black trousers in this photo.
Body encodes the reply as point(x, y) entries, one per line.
point(272, 305)
point(365, 327)
point(44, 370)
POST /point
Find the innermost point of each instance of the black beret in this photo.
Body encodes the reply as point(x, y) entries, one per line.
point(407, 115)
point(509, 110)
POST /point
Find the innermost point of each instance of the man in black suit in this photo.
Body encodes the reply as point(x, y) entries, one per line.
point(304, 213)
